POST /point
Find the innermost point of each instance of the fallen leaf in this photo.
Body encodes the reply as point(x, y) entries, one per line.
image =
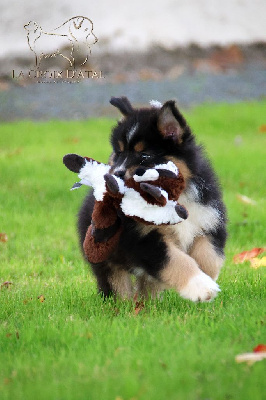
point(3, 237)
point(72, 140)
point(246, 200)
point(6, 284)
point(27, 300)
point(248, 255)
point(41, 298)
point(138, 307)
point(258, 262)
point(250, 358)
point(261, 348)
point(262, 128)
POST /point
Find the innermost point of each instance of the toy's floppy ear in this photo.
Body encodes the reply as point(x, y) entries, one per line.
point(171, 123)
point(74, 162)
point(123, 105)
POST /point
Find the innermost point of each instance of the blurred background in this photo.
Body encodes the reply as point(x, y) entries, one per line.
point(192, 51)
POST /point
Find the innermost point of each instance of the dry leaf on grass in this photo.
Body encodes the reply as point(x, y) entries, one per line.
point(3, 237)
point(6, 284)
point(250, 358)
point(258, 262)
point(246, 200)
point(41, 298)
point(26, 301)
point(262, 128)
point(248, 255)
point(261, 348)
point(139, 305)
point(259, 354)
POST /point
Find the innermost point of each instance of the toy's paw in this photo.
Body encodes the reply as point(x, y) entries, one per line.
point(181, 211)
point(74, 162)
point(200, 288)
point(166, 173)
point(154, 191)
point(111, 183)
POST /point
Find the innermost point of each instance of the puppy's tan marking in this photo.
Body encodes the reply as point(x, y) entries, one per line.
point(208, 260)
point(111, 159)
point(179, 269)
point(121, 283)
point(183, 274)
point(130, 171)
point(139, 146)
point(121, 145)
point(182, 166)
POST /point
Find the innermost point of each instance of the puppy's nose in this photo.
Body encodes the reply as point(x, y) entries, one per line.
point(120, 173)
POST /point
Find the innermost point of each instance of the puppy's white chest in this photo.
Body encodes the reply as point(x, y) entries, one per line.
point(201, 219)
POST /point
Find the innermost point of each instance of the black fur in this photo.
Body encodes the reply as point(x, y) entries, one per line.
point(149, 251)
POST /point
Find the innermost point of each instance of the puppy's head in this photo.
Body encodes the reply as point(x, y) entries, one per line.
point(147, 137)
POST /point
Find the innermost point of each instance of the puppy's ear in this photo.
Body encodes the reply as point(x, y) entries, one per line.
point(123, 105)
point(171, 123)
point(74, 162)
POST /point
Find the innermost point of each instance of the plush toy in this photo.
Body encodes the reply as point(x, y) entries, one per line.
point(150, 196)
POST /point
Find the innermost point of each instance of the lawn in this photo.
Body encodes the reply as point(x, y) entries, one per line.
point(60, 340)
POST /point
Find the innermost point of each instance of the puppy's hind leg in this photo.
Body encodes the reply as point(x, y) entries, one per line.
point(183, 274)
point(121, 283)
point(112, 281)
point(148, 287)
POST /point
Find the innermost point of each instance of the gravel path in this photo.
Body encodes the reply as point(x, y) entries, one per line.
point(91, 98)
point(190, 75)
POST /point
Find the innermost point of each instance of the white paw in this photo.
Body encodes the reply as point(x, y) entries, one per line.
point(200, 288)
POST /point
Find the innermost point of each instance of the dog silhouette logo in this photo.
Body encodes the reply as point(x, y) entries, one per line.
point(73, 38)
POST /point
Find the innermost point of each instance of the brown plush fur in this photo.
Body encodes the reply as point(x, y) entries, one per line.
point(173, 186)
point(97, 252)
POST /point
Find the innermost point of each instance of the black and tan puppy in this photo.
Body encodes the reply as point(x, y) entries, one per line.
point(187, 256)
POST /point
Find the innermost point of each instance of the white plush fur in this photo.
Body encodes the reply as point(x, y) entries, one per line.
point(133, 204)
point(156, 104)
point(92, 174)
point(170, 166)
point(200, 288)
point(152, 174)
point(121, 185)
point(149, 175)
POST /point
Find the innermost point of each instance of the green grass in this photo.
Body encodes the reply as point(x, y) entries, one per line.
point(75, 346)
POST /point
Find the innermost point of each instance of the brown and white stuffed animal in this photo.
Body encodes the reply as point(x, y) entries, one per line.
point(149, 196)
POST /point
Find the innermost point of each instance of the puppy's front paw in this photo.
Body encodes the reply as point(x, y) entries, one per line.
point(200, 288)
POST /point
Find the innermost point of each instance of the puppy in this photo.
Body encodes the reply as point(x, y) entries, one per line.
point(186, 257)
